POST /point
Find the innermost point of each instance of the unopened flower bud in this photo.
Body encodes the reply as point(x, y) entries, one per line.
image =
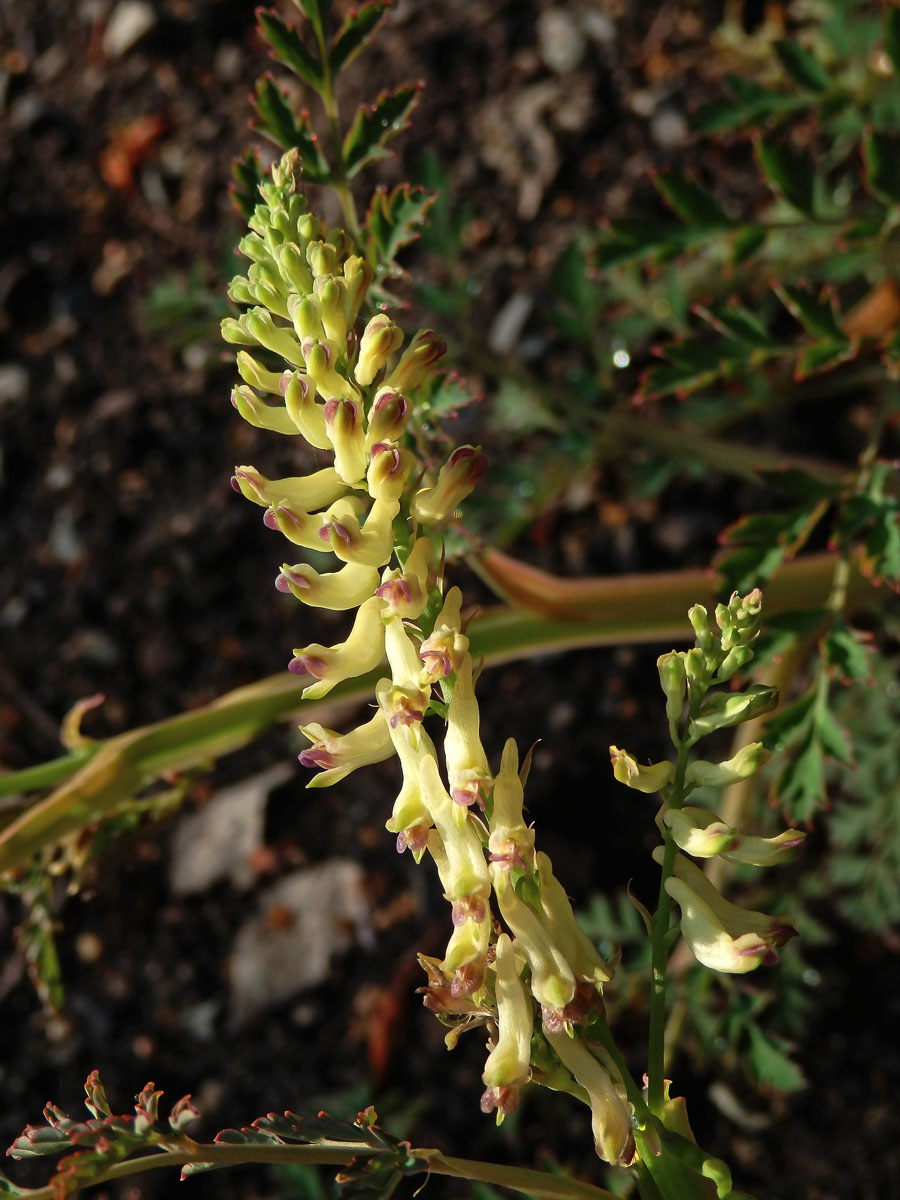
point(444, 650)
point(331, 293)
point(357, 275)
point(720, 710)
point(273, 337)
point(343, 421)
point(387, 416)
point(405, 591)
point(627, 770)
point(456, 479)
point(320, 358)
point(766, 852)
point(417, 360)
point(745, 763)
point(511, 841)
point(380, 339)
point(673, 680)
point(699, 619)
point(388, 471)
point(305, 313)
point(306, 414)
point(294, 267)
point(322, 258)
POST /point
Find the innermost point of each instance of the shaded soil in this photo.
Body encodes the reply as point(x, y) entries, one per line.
point(130, 568)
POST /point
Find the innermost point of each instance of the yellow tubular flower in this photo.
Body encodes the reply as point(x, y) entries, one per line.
point(508, 1066)
point(338, 590)
point(721, 935)
point(372, 545)
point(552, 979)
point(627, 770)
point(578, 948)
point(467, 767)
point(361, 652)
point(340, 753)
point(610, 1111)
point(406, 592)
point(261, 415)
point(511, 843)
point(307, 415)
point(699, 832)
point(302, 494)
point(444, 650)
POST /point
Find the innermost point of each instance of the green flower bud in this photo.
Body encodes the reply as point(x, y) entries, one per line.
point(306, 315)
point(292, 264)
point(699, 619)
point(331, 294)
point(276, 338)
point(745, 763)
point(721, 710)
point(673, 680)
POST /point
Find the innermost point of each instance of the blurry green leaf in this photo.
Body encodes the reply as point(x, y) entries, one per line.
point(690, 201)
point(816, 314)
point(834, 740)
point(760, 542)
point(356, 30)
point(783, 630)
point(770, 1062)
point(289, 49)
point(318, 11)
point(882, 547)
point(788, 171)
point(376, 124)
point(518, 409)
point(892, 35)
point(882, 159)
point(749, 105)
point(739, 324)
point(822, 356)
point(800, 788)
point(393, 221)
point(803, 66)
point(845, 654)
point(247, 174)
point(792, 481)
point(746, 241)
point(288, 130)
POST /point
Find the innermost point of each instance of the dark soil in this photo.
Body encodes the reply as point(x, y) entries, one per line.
point(130, 568)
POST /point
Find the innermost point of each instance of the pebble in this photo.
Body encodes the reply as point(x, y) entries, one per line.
point(130, 21)
point(13, 383)
point(561, 43)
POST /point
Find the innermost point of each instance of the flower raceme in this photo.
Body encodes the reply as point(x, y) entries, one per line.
point(379, 510)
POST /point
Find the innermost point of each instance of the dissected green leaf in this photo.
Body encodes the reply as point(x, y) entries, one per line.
point(394, 220)
point(288, 48)
point(882, 158)
point(749, 105)
point(816, 313)
point(789, 171)
point(800, 788)
point(247, 174)
point(833, 738)
point(356, 30)
point(318, 11)
point(376, 124)
point(882, 548)
point(738, 324)
point(821, 356)
point(279, 122)
point(845, 654)
point(746, 241)
point(760, 542)
point(693, 203)
point(803, 66)
point(770, 1062)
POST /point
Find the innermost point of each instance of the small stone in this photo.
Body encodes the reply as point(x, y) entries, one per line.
point(130, 21)
point(669, 129)
point(561, 44)
point(13, 383)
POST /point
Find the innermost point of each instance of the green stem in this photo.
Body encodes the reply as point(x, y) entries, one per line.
point(539, 1184)
point(660, 946)
point(329, 100)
